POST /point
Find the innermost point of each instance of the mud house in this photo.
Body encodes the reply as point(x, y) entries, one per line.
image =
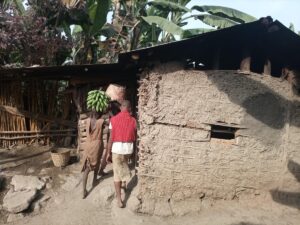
point(219, 114)
point(218, 119)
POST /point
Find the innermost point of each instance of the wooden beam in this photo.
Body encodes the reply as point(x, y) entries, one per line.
point(17, 112)
point(37, 136)
point(37, 132)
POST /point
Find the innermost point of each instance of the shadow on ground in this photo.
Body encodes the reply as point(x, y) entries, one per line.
point(246, 223)
point(289, 198)
point(130, 186)
point(98, 181)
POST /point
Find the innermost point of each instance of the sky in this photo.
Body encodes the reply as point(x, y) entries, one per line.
point(286, 11)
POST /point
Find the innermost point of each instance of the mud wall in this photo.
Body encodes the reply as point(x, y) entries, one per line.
point(180, 161)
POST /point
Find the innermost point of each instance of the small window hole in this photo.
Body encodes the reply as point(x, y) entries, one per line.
point(223, 132)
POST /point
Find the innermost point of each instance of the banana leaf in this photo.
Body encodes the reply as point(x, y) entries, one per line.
point(215, 21)
point(4, 4)
point(183, 2)
point(172, 6)
point(19, 6)
point(291, 27)
point(153, 11)
point(192, 32)
point(108, 30)
point(164, 24)
point(226, 13)
point(98, 12)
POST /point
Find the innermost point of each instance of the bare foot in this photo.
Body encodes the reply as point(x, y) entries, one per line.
point(120, 204)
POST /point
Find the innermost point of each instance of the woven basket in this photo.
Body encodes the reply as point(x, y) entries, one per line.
point(60, 157)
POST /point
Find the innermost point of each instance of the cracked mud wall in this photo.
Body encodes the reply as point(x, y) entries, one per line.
point(181, 166)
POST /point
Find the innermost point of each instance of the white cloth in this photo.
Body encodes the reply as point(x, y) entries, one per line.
point(122, 148)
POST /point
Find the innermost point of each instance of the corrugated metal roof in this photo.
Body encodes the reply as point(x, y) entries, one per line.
point(273, 39)
point(113, 71)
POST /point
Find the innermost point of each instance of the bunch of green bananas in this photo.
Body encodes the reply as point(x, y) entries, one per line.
point(97, 100)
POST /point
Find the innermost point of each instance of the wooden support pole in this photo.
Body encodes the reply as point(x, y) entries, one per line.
point(246, 61)
point(216, 59)
point(267, 67)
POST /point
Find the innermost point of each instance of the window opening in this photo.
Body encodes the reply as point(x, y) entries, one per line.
point(223, 132)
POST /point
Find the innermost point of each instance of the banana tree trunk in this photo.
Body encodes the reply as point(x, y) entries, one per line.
point(82, 56)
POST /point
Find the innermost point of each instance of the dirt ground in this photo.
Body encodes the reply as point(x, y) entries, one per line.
point(66, 207)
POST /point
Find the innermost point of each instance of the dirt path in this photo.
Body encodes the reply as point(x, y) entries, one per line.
point(66, 207)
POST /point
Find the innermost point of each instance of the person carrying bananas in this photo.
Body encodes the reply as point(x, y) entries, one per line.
point(114, 109)
point(93, 148)
point(120, 147)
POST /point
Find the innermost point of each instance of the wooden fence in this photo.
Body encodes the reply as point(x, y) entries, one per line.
point(35, 110)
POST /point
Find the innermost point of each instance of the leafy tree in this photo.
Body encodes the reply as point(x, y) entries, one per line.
point(27, 39)
point(135, 24)
point(17, 4)
point(138, 24)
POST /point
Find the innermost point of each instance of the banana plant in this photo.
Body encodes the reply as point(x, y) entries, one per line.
point(140, 23)
point(18, 4)
point(88, 17)
point(71, 4)
point(221, 17)
point(215, 16)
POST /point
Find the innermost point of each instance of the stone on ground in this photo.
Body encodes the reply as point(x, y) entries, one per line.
point(30, 170)
point(14, 217)
point(19, 201)
point(21, 182)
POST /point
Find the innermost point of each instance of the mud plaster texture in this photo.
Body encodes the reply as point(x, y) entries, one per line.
point(180, 165)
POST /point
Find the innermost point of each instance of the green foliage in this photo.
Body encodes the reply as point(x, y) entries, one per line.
point(17, 4)
point(164, 24)
point(98, 11)
point(193, 32)
point(216, 21)
point(291, 27)
point(226, 13)
point(28, 39)
point(168, 5)
point(134, 24)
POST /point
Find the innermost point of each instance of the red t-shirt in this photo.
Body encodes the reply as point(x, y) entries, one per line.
point(123, 127)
